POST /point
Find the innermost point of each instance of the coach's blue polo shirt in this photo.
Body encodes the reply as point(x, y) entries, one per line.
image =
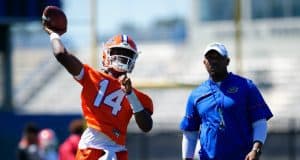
point(224, 114)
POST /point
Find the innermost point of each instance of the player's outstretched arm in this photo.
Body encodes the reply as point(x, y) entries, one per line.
point(68, 60)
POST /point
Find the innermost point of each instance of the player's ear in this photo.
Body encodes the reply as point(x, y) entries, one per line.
point(227, 61)
point(204, 61)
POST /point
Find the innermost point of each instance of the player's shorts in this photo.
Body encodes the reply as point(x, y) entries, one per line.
point(95, 154)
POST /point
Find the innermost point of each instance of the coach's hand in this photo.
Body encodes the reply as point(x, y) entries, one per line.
point(252, 155)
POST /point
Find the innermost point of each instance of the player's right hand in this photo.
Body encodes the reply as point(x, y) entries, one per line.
point(46, 28)
point(54, 20)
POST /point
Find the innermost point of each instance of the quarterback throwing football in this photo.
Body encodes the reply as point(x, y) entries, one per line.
point(108, 99)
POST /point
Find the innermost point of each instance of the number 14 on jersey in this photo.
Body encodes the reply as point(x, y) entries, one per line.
point(112, 100)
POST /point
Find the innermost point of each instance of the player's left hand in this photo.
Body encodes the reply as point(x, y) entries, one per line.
point(126, 85)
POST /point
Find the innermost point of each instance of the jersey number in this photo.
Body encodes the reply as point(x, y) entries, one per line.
point(112, 100)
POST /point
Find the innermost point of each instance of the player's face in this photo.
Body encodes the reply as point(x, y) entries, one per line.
point(32, 138)
point(216, 65)
point(122, 52)
point(121, 60)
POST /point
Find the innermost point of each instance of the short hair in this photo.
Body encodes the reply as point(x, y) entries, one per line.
point(31, 128)
point(76, 126)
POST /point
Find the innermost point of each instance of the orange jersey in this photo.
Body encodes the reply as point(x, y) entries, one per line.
point(105, 106)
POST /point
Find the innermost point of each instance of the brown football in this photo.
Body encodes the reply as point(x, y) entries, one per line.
point(55, 19)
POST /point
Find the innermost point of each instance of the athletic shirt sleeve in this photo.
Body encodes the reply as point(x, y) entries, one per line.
point(80, 77)
point(191, 120)
point(257, 106)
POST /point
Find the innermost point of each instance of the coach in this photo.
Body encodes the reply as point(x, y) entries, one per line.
point(226, 112)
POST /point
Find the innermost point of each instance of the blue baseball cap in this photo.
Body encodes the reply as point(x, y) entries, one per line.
point(219, 47)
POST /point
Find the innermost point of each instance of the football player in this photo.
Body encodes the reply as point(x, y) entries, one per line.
point(108, 98)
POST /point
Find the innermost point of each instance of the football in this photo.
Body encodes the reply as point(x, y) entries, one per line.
point(55, 19)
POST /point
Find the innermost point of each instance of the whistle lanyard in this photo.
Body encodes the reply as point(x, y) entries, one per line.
point(219, 104)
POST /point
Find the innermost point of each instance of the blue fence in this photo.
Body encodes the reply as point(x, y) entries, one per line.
point(12, 127)
point(157, 145)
